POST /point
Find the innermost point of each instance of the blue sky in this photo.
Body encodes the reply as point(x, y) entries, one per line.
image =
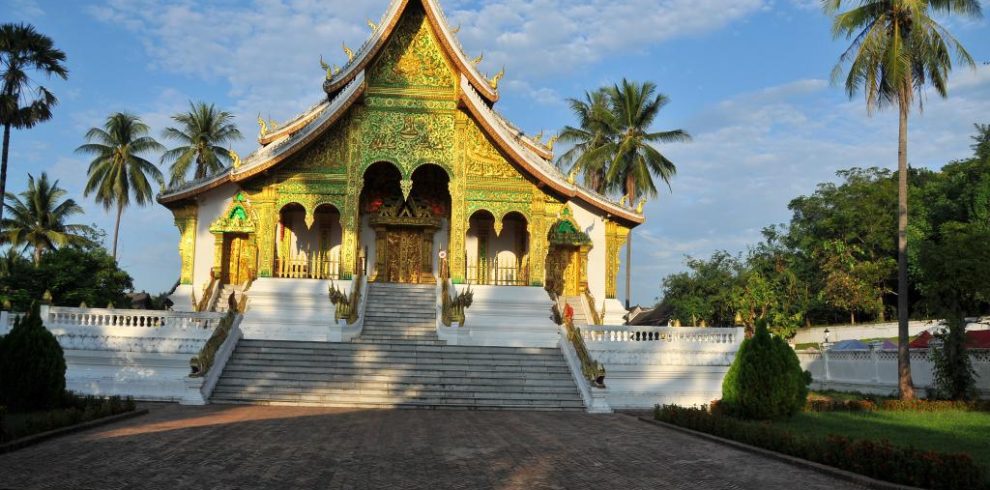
point(749, 79)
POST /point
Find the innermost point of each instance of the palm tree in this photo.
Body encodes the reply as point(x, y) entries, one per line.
point(589, 154)
point(635, 158)
point(38, 221)
point(203, 130)
point(897, 50)
point(23, 49)
point(118, 170)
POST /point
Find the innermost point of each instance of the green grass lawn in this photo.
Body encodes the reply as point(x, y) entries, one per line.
point(953, 431)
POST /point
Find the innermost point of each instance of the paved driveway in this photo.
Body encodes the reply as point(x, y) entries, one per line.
point(269, 447)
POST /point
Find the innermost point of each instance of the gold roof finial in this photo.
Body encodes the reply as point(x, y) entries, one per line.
point(373, 26)
point(552, 141)
point(623, 201)
point(456, 29)
point(539, 137)
point(348, 52)
point(498, 77)
point(263, 125)
point(235, 159)
point(572, 178)
point(479, 59)
point(640, 206)
point(327, 68)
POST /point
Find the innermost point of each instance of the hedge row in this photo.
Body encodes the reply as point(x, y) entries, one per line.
point(73, 410)
point(870, 405)
point(876, 459)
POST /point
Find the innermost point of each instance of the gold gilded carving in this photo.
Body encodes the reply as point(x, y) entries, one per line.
point(496, 79)
point(639, 207)
point(373, 26)
point(235, 159)
point(615, 237)
point(477, 61)
point(348, 52)
point(408, 139)
point(413, 56)
point(185, 220)
point(483, 160)
point(263, 126)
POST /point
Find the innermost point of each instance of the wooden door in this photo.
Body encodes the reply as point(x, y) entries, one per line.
point(572, 274)
point(404, 256)
point(238, 252)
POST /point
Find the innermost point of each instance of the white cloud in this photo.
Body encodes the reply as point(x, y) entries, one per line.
point(269, 52)
point(754, 152)
point(28, 9)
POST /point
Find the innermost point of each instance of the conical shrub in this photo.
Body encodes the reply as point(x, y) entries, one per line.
point(32, 365)
point(765, 382)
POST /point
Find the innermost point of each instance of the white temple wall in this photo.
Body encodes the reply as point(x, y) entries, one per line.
point(594, 225)
point(211, 205)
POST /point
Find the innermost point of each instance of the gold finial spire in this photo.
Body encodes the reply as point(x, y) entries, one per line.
point(348, 52)
point(235, 159)
point(373, 26)
point(572, 178)
point(552, 141)
point(327, 68)
point(640, 206)
point(539, 137)
point(498, 77)
point(263, 125)
point(623, 201)
point(479, 59)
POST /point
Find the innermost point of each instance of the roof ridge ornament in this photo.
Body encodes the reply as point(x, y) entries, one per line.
point(552, 141)
point(497, 78)
point(373, 26)
point(263, 125)
point(235, 159)
point(326, 67)
point(348, 52)
point(477, 61)
point(641, 205)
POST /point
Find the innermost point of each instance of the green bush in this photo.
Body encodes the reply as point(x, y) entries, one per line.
point(876, 459)
point(765, 382)
point(32, 366)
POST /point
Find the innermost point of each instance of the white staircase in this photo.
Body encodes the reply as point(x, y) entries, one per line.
point(400, 314)
point(397, 361)
point(223, 301)
point(580, 318)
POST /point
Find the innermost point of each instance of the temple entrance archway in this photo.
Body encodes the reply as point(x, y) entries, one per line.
point(404, 218)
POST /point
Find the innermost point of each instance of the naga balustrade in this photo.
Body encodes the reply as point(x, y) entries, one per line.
point(495, 272)
point(594, 333)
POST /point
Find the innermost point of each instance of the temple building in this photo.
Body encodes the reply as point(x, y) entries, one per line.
point(403, 165)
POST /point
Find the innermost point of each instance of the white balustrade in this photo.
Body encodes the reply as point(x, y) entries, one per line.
point(102, 317)
point(595, 333)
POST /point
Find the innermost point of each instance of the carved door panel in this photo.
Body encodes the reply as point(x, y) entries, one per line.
point(572, 274)
point(238, 254)
point(404, 256)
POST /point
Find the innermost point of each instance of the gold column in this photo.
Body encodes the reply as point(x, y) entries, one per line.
point(458, 230)
point(615, 238)
point(217, 254)
point(583, 267)
point(186, 221)
point(265, 238)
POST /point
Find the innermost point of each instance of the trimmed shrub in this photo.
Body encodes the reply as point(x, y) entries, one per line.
point(32, 366)
point(765, 382)
point(876, 459)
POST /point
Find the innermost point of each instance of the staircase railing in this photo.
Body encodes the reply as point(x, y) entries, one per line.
point(347, 306)
point(589, 302)
point(201, 364)
point(209, 298)
point(452, 308)
point(592, 370)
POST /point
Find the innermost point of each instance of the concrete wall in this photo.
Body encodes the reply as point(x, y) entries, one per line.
point(646, 366)
point(211, 205)
point(592, 223)
point(875, 372)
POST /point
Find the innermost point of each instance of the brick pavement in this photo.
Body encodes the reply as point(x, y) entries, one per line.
point(226, 447)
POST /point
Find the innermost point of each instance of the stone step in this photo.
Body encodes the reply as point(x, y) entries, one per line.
point(477, 361)
point(401, 393)
point(235, 377)
point(451, 349)
point(538, 387)
point(316, 354)
point(404, 405)
point(398, 370)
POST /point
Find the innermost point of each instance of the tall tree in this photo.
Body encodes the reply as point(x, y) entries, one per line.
point(23, 104)
point(982, 139)
point(202, 131)
point(635, 158)
point(118, 170)
point(897, 51)
point(589, 155)
point(37, 218)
